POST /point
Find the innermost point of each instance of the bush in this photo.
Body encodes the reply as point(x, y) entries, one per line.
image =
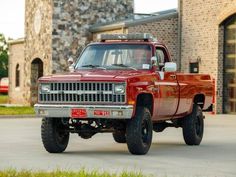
point(3, 57)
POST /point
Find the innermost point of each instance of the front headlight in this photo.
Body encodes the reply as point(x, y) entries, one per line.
point(119, 89)
point(45, 88)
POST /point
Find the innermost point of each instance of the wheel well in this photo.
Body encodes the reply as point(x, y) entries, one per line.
point(199, 100)
point(145, 100)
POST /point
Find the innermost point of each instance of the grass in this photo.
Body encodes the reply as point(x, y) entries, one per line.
point(13, 110)
point(3, 99)
point(59, 173)
point(16, 110)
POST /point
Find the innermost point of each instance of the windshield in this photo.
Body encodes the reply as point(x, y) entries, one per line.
point(116, 56)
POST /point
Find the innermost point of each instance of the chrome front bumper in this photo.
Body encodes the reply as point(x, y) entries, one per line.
point(92, 111)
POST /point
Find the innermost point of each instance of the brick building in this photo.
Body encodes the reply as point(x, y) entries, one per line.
point(164, 26)
point(201, 37)
point(16, 64)
point(208, 37)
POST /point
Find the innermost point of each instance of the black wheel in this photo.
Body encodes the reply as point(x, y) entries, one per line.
point(139, 132)
point(193, 126)
point(119, 137)
point(54, 135)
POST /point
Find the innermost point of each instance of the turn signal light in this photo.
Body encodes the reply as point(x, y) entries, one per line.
point(131, 102)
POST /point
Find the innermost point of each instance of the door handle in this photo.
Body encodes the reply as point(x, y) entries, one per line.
point(173, 76)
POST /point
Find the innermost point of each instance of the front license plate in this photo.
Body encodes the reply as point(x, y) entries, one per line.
point(78, 113)
point(101, 113)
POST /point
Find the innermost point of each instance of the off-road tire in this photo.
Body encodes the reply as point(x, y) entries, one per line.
point(139, 132)
point(54, 137)
point(119, 137)
point(193, 126)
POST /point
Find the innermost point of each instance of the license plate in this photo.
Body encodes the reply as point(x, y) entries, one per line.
point(78, 113)
point(101, 113)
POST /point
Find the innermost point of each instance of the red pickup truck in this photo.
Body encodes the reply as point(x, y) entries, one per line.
point(126, 85)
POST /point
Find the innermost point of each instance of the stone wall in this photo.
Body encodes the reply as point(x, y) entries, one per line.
point(165, 30)
point(38, 41)
point(16, 57)
point(202, 37)
point(57, 29)
point(71, 21)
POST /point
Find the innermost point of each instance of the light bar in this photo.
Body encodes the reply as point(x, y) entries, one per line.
point(133, 36)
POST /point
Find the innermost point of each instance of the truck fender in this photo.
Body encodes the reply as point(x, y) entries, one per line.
point(145, 99)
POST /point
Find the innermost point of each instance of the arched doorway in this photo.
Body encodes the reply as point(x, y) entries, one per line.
point(229, 76)
point(36, 72)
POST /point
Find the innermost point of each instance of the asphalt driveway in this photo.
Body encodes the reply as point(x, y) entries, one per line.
point(21, 148)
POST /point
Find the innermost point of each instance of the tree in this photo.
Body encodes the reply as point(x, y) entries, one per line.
point(3, 57)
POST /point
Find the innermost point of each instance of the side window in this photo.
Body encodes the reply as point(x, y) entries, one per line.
point(161, 56)
point(17, 77)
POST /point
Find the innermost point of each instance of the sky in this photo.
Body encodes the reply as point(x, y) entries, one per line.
point(12, 13)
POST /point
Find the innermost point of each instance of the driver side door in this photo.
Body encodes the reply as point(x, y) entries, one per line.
point(167, 102)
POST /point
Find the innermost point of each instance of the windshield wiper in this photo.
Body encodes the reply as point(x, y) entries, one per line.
point(92, 66)
point(125, 66)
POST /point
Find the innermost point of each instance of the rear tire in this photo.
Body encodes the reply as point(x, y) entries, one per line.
point(54, 136)
point(193, 126)
point(119, 137)
point(139, 132)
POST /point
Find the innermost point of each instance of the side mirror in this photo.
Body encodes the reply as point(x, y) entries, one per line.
point(170, 67)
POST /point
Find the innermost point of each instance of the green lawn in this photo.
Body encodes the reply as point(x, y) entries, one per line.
point(13, 110)
point(58, 173)
point(3, 99)
point(16, 110)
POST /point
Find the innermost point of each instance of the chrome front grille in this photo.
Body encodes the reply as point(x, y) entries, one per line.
point(81, 92)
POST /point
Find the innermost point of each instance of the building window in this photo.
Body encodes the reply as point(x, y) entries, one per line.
point(17, 75)
point(230, 66)
point(194, 67)
point(36, 70)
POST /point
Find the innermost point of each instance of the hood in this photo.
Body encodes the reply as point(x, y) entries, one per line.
point(95, 75)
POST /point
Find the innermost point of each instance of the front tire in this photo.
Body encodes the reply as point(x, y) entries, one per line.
point(54, 136)
point(139, 132)
point(193, 126)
